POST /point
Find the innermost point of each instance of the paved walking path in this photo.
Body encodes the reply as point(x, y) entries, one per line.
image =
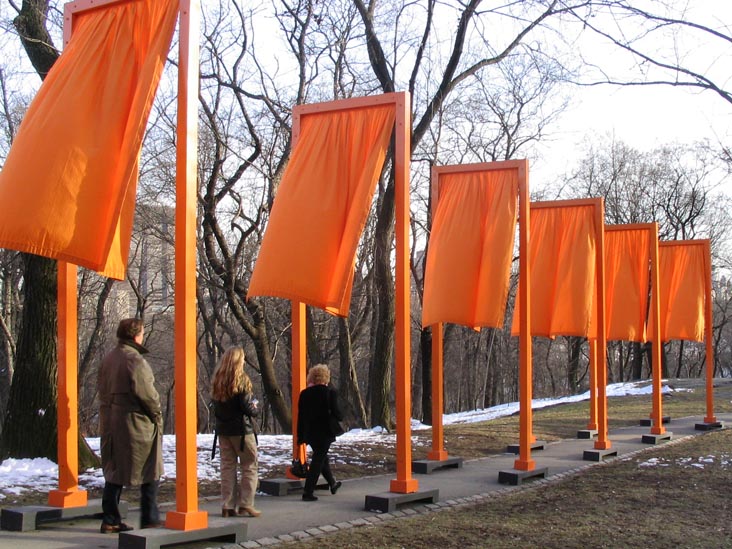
point(288, 517)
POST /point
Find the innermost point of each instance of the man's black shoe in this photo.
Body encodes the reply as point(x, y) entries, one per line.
point(334, 488)
point(309, 497)
point(114, 528)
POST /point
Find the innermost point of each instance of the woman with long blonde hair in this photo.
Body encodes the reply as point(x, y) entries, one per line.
point(234, 408)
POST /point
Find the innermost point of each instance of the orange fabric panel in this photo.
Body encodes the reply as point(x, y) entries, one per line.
point(681, 272)
point(627, 272)
point(471, 248)
point(322, 203)
point(562, 250)
point(67, 190)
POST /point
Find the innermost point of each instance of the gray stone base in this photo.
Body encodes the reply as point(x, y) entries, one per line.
point(426, 466)
point(598, 455)
point(23, 519)
point(587, 433)
point(234, 530)
point(647, 422)
point(514, 477)
point(280, 486)
point(656, 439)
point(708, 426)
point(516, 448)
point(386, 502)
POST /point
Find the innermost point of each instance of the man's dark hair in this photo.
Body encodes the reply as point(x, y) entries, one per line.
point(129, 328)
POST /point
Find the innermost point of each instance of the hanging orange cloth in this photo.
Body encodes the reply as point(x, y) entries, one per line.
point(322, 203)
point(627, 272)
point(681, 270)
point(67, 190)
point(562, 249)
point(470, 249)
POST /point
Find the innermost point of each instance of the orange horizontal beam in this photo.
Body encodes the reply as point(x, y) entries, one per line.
point(345, 104)
point(567, 203)
point(479, 167)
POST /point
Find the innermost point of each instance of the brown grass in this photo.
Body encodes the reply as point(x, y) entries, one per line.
point(623, 503)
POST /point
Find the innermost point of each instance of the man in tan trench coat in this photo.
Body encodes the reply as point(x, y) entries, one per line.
point(131, 428)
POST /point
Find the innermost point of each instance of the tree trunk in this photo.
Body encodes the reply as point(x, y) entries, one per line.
point(575, 350)
point(315, 355)
point(348, 390)
point(275, 397)
point(664, 362)
point(680, 361)
point(381, 362)
point(425, 346)
point(636, 372)
point(32, 401)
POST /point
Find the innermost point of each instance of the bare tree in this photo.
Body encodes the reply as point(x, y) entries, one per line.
point(460, 68)
point(662, 39)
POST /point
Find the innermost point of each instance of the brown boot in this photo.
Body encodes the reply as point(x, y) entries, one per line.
point(248, 512)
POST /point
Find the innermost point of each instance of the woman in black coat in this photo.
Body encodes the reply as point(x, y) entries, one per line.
point(318, 402)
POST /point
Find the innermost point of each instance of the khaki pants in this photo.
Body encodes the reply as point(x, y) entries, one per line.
point(232, 451)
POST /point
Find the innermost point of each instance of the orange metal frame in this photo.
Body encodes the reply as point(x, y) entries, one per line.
point(526, 437)
point(654, 313)
point(708, 319)
point(598, 348)
point(186, 516)
point(404, 483)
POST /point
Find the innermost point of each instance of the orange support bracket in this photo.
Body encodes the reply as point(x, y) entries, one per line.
point(186, 515)
point(68, 493)
point(299, 362)
point(438, 407)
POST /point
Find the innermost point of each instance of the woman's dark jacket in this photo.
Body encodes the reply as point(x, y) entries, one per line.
point(234, 416)
point(312, 414)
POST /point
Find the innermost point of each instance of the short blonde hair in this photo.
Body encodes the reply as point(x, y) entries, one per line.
point(319, 374)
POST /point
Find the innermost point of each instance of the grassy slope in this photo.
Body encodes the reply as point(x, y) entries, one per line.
point(618, 504)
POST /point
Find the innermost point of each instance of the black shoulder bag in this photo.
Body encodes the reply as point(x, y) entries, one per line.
point(336, 426)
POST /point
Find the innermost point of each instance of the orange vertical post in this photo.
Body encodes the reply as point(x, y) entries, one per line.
point(602, 442)
point(68, 493)
point(708, 319)
point(299, 342)
point(592, 425)
point(657, 428)
point(524, 461)
point(186, 516)
point(299, 361)
point(438, 406)
point(404, 483)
